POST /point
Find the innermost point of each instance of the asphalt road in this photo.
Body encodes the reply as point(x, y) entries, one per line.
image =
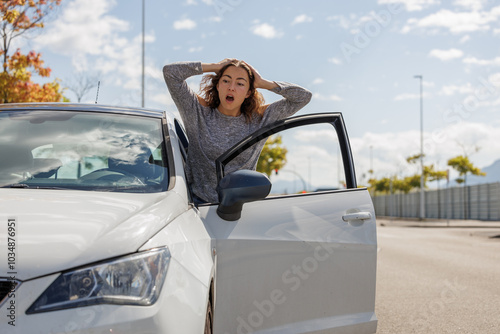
point(437, 279)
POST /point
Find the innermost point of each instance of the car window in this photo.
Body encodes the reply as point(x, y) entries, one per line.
point(85, 151)
point(303, 160)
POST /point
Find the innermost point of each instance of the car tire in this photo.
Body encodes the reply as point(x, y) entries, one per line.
point(208, 318)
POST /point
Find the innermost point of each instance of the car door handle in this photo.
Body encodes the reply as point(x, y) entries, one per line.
point(356, 216)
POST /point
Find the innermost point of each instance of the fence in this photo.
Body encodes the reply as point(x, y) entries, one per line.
point(480, 202)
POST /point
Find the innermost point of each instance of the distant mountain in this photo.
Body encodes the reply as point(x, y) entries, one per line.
point(492, 175)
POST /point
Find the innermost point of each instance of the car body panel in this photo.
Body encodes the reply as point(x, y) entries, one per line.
point(290, 260)
point(66, 228)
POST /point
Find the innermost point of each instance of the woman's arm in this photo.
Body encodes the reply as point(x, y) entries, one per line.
point(294, 97)
point(210, 67)
point(259, 81)
point(216, 67)
point(175, 76)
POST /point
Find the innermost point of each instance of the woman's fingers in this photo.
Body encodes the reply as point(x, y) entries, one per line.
point(226, 61)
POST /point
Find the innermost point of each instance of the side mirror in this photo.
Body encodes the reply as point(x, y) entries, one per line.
point(238, 188)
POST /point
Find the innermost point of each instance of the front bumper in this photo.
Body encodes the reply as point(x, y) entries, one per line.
point(176, 311)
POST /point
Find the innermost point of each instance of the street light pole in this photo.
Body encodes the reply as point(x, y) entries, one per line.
point(142, 78)
point(422, 196)
point(371, 160)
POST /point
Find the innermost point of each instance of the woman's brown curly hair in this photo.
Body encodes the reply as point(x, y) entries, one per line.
point(250, 106)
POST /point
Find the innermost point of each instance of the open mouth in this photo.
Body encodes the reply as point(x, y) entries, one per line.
point(229, 98)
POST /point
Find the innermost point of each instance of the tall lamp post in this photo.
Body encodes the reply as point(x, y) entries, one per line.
point(422, 197)
point(371, 160)
point(142, 78)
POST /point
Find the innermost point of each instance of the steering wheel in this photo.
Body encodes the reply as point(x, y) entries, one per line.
point(135, 178)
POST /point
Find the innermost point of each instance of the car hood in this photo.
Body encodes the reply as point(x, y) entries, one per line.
point(60, 229)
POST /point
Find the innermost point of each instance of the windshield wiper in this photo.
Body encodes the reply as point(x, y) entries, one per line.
point(16, 185)
point(25, 186)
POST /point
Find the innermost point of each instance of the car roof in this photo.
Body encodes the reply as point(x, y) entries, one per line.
point(85, 107)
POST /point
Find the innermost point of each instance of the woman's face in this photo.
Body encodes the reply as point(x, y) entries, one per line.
point(233, 88)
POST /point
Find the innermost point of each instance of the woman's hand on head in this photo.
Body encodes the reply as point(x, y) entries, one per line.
point(216, 67)
point(226, 61)
point(259, 81)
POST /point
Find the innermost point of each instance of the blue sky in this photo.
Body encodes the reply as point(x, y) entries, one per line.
point(357, 57)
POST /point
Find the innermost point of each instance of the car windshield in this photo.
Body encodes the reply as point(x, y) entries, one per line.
point(45, 149)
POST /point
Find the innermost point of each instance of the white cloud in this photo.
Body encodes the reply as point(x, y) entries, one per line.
point(411, 5)
point(342, 21)
point(335, 61)
point(482, 62)
point(302, 19)
point(494, 79)
point(446, 55)
point(489, 103)
point(406, 96)
point(391, 149)
point(316, 135)
point(94, 39)
point(454, 89)
point(162, 99)
point(473, 5)
point(455, 22)
point(318, 81)
point(354, 23)
point(464, 39)
point(184, 24)
point(196, 49)
point(266, 30)
point(428, 83)
point(83, 27)
point(217, 19)
point(331, 97)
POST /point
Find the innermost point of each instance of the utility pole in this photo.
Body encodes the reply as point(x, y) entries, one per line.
point(143, 47)
point(371, 160)
point(422, 196)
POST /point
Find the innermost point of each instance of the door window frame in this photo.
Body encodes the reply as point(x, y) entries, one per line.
point(333, 118)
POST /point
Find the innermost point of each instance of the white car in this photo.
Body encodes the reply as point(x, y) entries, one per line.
point(99, 233)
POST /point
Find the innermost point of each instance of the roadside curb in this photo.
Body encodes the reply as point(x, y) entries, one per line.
point(433, 223)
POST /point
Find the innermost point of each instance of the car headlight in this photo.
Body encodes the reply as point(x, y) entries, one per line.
point(132, 280)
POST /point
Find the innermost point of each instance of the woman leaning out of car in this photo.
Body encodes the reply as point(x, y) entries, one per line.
point(228, 109)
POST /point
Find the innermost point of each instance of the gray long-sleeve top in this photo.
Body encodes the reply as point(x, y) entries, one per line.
point(211, 133)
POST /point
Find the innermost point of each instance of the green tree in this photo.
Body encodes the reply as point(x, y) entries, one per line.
point(382, 185)
point(412, 159)
point(18, 18)
point(409, 183)
point(464, 166)
point(273, 156)
point(430, 173)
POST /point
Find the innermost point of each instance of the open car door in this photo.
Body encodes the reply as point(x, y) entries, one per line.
point(299, 262)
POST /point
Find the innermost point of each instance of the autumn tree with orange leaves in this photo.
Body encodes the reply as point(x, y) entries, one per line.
point(18, 18)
